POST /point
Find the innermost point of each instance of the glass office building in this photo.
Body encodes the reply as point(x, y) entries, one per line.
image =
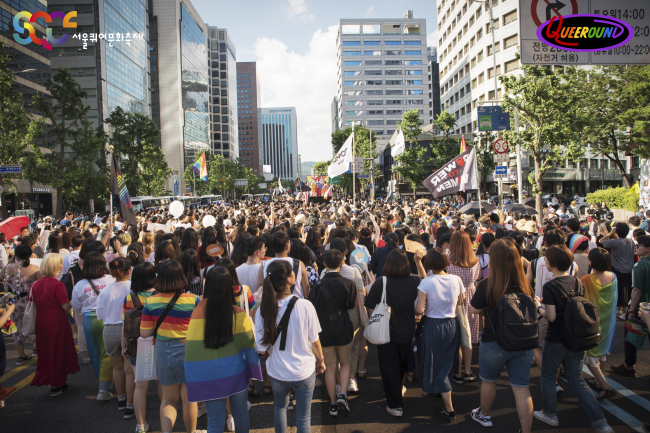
point(195, 92)
point(280, 141)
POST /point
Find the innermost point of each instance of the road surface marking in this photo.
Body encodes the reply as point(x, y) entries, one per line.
point(17, 370)
point(23, 383)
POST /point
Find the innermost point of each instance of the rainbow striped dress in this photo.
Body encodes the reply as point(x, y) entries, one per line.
point(211, 374)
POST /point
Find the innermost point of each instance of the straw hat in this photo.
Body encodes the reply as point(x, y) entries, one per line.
point(530, 227)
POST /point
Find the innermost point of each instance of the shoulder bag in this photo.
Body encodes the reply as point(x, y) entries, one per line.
point(29, 319)
point(378, 327)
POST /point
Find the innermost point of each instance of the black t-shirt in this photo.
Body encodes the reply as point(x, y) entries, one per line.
point(555, 293)
point(480, 302)
point(401, 294)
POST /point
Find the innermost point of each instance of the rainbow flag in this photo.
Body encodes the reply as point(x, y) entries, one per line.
point(219, 373)
point(394, 223)
point(604, 298)
point(201, 168)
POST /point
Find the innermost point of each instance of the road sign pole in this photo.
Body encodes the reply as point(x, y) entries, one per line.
point(520, 181)
point(494, 53)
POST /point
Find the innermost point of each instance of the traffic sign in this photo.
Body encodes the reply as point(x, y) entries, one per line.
point(175, 184)
point(492, 119)
point(501, 146)
point(9, 169)
point(363, 176)
point(501, 158)
point(501, 172)
point(534, 13)
point(222, 179)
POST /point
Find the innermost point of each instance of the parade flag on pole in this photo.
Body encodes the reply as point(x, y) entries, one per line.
point(400, 145)
point(200, 168)
point(121, 194)
point(463, 145)
point(459, 174)
point(342, 160)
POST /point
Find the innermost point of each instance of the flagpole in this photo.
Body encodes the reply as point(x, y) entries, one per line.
point(354, 181)
point(110, 149)
point(193, 181)
point(478, 181)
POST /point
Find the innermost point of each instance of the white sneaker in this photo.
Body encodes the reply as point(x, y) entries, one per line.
point(139, 430)
point(605, 428)
point(395, 412)
point(540, 415)
point(86, 361)
point(230, 423)
point(485, 421)
point(353, 386)
point(104, 396)
point(202, 410)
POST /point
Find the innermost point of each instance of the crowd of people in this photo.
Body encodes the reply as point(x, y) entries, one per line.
point(276, 293)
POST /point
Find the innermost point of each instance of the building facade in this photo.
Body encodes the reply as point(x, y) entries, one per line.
point(382, 72)
point(335, 114)
point(434, 84)
point(280, 141)
point(223, 73)
point(249, 99)
point(182, 85)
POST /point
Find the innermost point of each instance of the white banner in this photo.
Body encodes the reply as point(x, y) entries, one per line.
point(400, 145)
point(342, 160)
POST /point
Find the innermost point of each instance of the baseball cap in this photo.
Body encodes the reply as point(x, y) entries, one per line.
point(609, 215)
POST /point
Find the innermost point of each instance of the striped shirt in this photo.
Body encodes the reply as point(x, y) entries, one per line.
point(238, 300)
point(128, 301)
point(177, 321)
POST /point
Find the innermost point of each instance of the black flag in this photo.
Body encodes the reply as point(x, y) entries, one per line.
point(121, 194)
point(455, 176)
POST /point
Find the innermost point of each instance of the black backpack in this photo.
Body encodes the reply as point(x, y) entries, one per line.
point(531, 254)
point(313, 293)
point(516, 328)
point(336, 323)
point(71, 278)
point(581, 322)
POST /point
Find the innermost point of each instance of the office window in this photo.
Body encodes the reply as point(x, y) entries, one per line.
point(351, 53)
point(413, 52)
point(393, 72)
point(352, 83)
point(413, 62)
point(510, 41)
point(510, 17)
point(375, 102)
point(352, 63)
point(393, 53)
point(374, 82)
point(352, 93)
point(481, 77)
point(414, 72)
point(372, 72)
point(394, 102)
point(479, 57)
point(375, 112)
point(479, 35)
point(371, 42)
point(474, 83)
point(413, 82)
point(394, 92)
point(350, 43)
point(473, 62)
point(472, 42)
point(347, 73)
point(372, 53)
point(511, 65)
point(393, 83)
point(375, 122)
point(354, 113)
point(414, 92)
point(373, 63)
point(348, 103)
point(412, 42)
point(411, 29)
point(374, 92)
point(393, 112)
point(497, 47)
point(393, 62)
point(393, 43)
point(414, 102)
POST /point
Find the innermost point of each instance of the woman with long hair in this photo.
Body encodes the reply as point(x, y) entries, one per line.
point(84, 298)
point(315, 243)
point(438, 297)
point(222, 239)
point(170, 338)
point(464, 263)
point(147, 241)
point(209, 238)
point(239, 290)
point(221, 339)
point(506, 276)
point(192, 270)
point(291, 361)
point(190, 240)
point(238, 255)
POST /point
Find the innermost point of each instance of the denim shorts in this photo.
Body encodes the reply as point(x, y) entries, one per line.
point(170, 361)
point(492, 359)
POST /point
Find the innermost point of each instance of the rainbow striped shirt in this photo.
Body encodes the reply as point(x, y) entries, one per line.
point(177, 321)
point(219, 373)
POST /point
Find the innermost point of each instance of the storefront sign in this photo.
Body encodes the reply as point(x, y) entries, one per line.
point(40, 190)
point(568, 174)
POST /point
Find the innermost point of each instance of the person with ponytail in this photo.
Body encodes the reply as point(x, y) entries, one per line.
point(135, 253)
point(109, 310)
point(221, 339)
point(21, 275)
point(291, 348)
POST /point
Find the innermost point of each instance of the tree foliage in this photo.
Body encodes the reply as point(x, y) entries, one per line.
point(637, 113)
point(485, 154)
point(321, 168)
point(552, 115)
point(363, 146)
point(222, 168)
point(411, 165)
point(136, 142)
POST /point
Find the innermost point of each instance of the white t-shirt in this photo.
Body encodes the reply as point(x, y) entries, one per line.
point(543, 275)
point(110, 302)
point(68, 259)
point(248, 274)
point(298, 289)
point(296, 362)
point(83, 295)
point(442, 295)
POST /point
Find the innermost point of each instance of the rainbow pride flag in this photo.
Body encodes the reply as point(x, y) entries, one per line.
point(201, 168)
point(604, 299)
point(394, 223)
point(219, 373)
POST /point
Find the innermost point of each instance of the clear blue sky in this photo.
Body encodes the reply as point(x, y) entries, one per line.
point(294, 45)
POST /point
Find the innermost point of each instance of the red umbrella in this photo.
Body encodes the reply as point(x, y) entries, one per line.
point(11, 226)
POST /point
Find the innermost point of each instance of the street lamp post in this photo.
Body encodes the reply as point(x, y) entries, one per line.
point(18, 72)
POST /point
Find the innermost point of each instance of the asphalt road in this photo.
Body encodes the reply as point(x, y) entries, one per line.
point(30, 409)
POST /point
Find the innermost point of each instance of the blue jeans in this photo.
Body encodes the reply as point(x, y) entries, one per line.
point(554, 355)
point(492, 359)
point(304, 391)
point(238, 407)
point(170, 361)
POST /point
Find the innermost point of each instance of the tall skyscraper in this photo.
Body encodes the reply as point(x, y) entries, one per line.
point(382, 72)
point(280, 141)
point(112, 73)
point(434, 84)
point(249, 99)
point(223, 68)
point(465, 55)
point(335, 114)
point(182, 84)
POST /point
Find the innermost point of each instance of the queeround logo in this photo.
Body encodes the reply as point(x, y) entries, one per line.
point(23, 27)
point(585, 32)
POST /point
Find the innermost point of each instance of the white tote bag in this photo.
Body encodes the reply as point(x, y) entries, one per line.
point(29, 319)
point(378, 327)
point(465, 333)
point(145, 363)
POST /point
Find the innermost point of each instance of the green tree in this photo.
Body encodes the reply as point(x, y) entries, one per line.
point(136, 142)
point(65, 111)
point(447, 147)
point(637, 115)
point(321, 168)
point(445, 122)
point(606, 102)
point(88, 168)
point(17, 131)
point(485, 155)
point(412, 163)
point(551, 110)
point(338, 138)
